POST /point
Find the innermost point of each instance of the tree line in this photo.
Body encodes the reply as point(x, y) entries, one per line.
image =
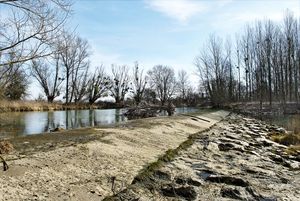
point(35, 44)
point(262, 65)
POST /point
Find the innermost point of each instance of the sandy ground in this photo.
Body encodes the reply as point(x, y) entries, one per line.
point(82, 166)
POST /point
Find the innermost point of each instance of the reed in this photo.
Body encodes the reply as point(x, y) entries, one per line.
point(25, 106)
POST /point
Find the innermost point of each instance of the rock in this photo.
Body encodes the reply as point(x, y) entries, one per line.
point(180, 181)
point(193, 182)
point(189, 181)
point(230, 193)
point(225, 146)
point(188, 192)
point(227, 180)
point(162, 175)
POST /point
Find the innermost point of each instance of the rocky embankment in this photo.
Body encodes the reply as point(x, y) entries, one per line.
point(233, 160)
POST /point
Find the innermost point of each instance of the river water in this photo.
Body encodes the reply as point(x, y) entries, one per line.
point(14, 124)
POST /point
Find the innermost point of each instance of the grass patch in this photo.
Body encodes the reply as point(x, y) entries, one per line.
point(292, 140)
point(293, 150)
point(286, 139)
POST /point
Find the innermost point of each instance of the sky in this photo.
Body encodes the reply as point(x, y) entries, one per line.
point(167, 32)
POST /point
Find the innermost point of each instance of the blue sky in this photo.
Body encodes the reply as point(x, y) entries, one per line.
point(168, 32)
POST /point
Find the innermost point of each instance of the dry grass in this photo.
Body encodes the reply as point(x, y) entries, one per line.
point(23, 106)
point(293, 150)
point(286, 139)
point(292, 140)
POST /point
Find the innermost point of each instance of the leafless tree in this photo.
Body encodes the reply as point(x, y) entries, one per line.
point(267, 60)
point(183, 84)
point(74, 54)
point(139, 82)
point(119, 83)
point(13, 79)
point(97, 84)
point(49, 76)
point(28, 27)
point(212, 66)
point(162, 79)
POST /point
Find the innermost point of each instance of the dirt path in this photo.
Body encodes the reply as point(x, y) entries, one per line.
point(83, 167)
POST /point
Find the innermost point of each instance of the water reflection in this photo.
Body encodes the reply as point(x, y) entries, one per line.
point(26, 123)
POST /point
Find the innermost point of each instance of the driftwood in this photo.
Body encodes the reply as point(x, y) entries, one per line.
point(148, 111)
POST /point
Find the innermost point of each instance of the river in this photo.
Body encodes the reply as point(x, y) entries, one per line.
point(14, 124)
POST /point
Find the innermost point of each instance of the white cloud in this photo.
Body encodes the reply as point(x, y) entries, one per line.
point(222, 3)
point(180, 10)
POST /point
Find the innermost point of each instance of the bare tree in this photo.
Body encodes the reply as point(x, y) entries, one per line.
point(74, 54)
point(119, 83)
point(49, 76)
point(213, 70)
point(13, 79)
point(97, 84)
point(29, 27)
point(183, 84)
point(162, 79)
point(138, 84)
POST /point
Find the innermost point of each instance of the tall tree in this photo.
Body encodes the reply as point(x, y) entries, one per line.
point(74, 54)
point(49, 76)
point(162, 79)
point(119, 83)
point(139, 82)
point(97, 84)
point(183, 84)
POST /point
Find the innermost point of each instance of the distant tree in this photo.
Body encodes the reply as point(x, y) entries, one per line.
point(16, 89)
point(183, 84)
point(97, 84)
point(73, 52)
point(139, 82)
point(119, 83)
point(162, 79)
point(213, 70)
point(13, 79)
point(49, 76)
point(150, 96)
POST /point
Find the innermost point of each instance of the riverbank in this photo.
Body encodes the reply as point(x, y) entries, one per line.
point(93, 163)
point(233, 160)
point(27, 106)
point(265, 110)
